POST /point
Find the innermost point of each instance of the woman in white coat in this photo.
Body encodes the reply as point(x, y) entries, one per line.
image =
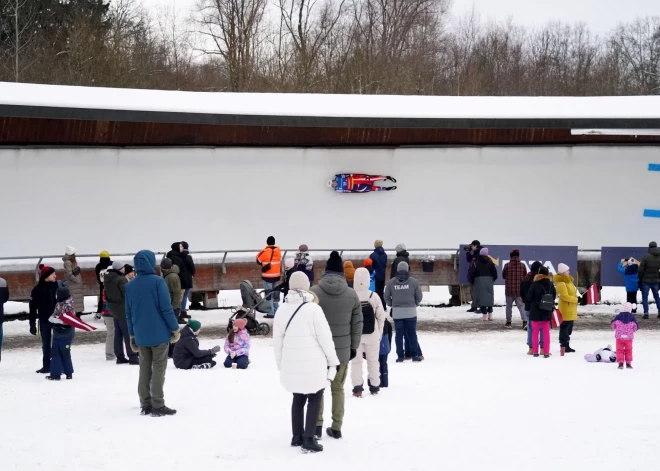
point(305, 356)
point(373, 315)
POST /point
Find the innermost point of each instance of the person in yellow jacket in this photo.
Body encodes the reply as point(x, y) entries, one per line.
point(270, 261)
point(569, 297)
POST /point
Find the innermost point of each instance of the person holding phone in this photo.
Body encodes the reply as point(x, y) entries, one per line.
point(74, 279)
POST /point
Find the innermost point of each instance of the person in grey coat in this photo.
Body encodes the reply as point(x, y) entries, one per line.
point(403, 294)
point(74, 279)
point(342, 308)
point(483, 279)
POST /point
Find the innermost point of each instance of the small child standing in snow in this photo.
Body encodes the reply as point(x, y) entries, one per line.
point(62, 337)
point(629, 268)
point(237, 346)
point(625, 326)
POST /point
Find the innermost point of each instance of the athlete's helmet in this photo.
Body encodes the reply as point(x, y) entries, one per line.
point(330, 183)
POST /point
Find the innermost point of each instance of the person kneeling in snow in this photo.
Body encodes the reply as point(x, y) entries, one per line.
point(64, 321)
point(187, 354)
point(602, 355)
point(237, 346)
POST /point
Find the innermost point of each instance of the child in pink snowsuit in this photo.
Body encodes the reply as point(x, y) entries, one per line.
point(625, 326)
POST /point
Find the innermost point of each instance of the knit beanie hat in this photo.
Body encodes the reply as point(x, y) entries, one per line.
point(378, 243)
point(536, 266)
point(128, 269)
point(303, 248)
point(652, 244)
point(368, 262)
point(400, 248)
point(515, 253)
point(544, 271)
point(104, 254)
point(335, 263)
point(185, 245)
point(627, 307)
point(45, 271)
point(166, 264)
point(62, 294)
point(194, 325)
point(476, 242)
point(483, 251)
point(562, 268)
point(299, 281)
point(70, 250)
point(270, 240)
point(176, 247)
point(117, 266)
point(403, 266)
point(288, 263)
point(240, 323)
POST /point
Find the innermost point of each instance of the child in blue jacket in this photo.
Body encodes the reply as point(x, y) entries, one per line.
point(629, 267)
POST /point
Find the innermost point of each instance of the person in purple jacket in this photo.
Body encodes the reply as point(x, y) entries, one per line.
point(472, 255)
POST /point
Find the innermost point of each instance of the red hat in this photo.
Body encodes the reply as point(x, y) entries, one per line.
point(368, 262)
point(45, 272)
point(240, 323)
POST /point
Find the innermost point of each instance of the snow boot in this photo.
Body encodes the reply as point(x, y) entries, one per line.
point(43, 371)
point(357, 391)
point(374, 390)
point(184, 315)
point(524, 327)
point(134, 361)
point(536, 355)
point(530, 351)
point(407, 358)
point(472, 310)
point(629, 366)
point(568, 349)
point(490, 316)
point(162, 411)
point(390, 188)
point(399, 360)
point(145, 410)
point(508, 324)
point(484, 317)
point(297, 440)
point(318, 433)
point(69, 376)
point(392, 179)
point(310, 445)
point(182, 321)
point(336, 434)
point(645, 316)
point(122, 361)
point(546, 355)
point(620, 366)
point(52, 378)
point(416, 359)
point(634, 309)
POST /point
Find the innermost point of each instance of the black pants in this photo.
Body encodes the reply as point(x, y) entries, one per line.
point(565, 331)
point(298, 413)
point(380, 290)
point(631, 297)
point(46, 331)
point(123, 339)
point(99, 308)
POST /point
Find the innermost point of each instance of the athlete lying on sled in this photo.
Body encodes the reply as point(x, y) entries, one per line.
point(359, 183)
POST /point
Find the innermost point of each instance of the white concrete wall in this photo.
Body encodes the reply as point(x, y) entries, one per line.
point(232, 198)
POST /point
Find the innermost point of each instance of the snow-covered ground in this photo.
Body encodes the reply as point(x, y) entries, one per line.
point(477, 402)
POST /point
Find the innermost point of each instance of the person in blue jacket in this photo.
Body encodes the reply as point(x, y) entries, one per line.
point(152, 325)
point(629, 267)
point(379, 257)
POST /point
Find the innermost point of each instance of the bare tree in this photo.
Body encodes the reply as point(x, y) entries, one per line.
point(639, 45)
point(19, 32)
point(231, 30)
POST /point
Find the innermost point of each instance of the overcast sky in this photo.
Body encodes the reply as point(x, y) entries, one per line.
point(601, 15)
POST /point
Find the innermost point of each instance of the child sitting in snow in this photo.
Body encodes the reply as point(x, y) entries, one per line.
point(64, 321)
point(625, 326)
point(237, 346)
point(602, 355)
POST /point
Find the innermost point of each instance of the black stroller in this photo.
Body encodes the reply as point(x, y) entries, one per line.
point(253, 303)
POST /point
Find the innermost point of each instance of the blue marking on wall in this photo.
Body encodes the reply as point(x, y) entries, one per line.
point(654, 167)
point(652, 213)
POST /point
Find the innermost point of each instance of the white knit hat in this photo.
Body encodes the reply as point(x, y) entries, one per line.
point(299, 281)
point(562, 268)
point(70, 250)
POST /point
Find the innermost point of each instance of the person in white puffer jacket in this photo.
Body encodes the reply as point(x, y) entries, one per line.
point(373, 315)
point(305, 356)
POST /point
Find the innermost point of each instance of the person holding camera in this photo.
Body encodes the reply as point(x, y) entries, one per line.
point(73, 277)
point(472, 255)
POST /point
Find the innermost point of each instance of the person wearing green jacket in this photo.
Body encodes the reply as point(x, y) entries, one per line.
point(114, 283)
point(171, 274)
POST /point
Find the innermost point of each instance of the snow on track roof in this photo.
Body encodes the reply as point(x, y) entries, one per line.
point(326, 105)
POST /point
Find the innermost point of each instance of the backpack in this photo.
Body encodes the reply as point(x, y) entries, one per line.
point(547, 302)
point(368, 317)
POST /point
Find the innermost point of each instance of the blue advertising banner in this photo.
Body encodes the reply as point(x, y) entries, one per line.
point(549, 256)
point(609, 261)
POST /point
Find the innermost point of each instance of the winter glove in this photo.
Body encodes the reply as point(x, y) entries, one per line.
point(76, 271)
point(216, 349)
point(232, 355)
point(332, 372)
point(134, 346)
point(176, 335)
point(353, 353)
point(33, 329)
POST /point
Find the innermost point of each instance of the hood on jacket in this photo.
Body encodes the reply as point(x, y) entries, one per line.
point(402, 276)
point(298, 297)
point(403, 253)
point(379, 250)
point(333, 284)
point(349, 270)
point(624, 317)
point(362, 280)
point(654, 251)
point(563, 278)
point(175, 247)
point(186, 332)
point(174, 269)
point(145, 262)
point(542, 277)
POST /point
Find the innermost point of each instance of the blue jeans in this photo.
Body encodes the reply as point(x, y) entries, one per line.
point(274, 298)
point(61, 357)
point(529, 332)
point(406, 328)
point(645, 296)
point(184, 301)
